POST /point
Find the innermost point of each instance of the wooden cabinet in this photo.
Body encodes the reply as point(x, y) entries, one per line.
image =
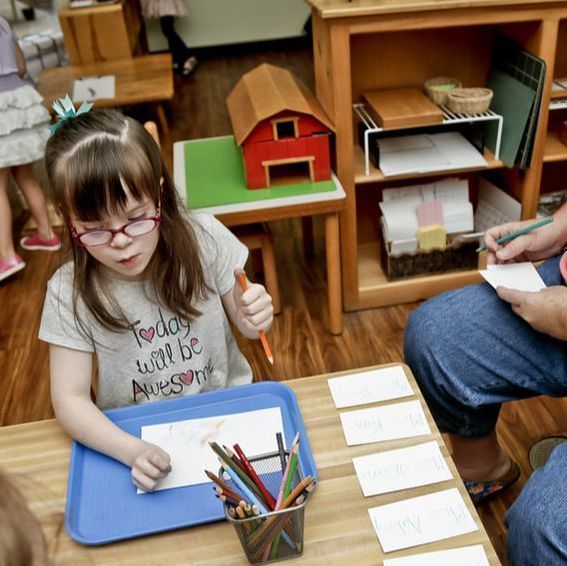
point(102, 33)
point(363, 46)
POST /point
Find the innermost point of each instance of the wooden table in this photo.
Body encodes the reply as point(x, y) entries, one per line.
point(337, 524)
point(139, 80)
point(327, 204)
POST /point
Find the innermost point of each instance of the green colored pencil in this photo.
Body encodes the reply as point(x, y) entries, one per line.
point(520, 232)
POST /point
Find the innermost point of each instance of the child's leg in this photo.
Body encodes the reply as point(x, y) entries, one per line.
point(179, 51)
point(35, 198)
point(6, 242)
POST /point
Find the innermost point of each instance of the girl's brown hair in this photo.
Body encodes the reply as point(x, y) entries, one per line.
point(22, 542)
point(87, 161)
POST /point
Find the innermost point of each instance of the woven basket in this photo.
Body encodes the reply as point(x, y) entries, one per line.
point(439, 88)
point(469, 100)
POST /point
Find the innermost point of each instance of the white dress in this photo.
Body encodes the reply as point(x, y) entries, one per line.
point(23, 119)
point(159, 8)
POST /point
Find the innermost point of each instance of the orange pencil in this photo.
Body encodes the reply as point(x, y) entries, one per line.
point(261, 334)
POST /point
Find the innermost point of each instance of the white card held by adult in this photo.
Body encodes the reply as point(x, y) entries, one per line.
point(419, 520)
point(400, 420)
point(369, 387)
point(404, 468)
point(520, 276)
point(464, 556)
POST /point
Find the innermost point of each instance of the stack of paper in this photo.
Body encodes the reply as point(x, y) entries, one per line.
point(424, 153)
point(399, 209)
point(494, 207)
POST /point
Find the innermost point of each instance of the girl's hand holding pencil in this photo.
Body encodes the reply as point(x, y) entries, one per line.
point(255, 312)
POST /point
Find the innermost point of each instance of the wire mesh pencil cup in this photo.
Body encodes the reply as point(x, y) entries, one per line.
point(276, 535)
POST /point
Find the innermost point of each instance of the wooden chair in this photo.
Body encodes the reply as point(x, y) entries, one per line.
point(258, 238)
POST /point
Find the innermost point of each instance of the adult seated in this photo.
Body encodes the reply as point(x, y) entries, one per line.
point(474, 348)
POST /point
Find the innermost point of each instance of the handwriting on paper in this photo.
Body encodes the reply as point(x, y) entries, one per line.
point(369, 387)
point(400, 420)
point(464, 556)
point(187, 442)
point(419, 520)
point(404, 468)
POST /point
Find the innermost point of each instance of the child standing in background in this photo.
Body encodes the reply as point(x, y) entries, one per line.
point(148, 291)
point(23, 134)
point(167, 10)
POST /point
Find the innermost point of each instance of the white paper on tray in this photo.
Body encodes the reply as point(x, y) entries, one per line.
point(187, 442)
point(369, 387)
point(400, 420)
point(419, 520)
point(404, 468)
point(463, 556)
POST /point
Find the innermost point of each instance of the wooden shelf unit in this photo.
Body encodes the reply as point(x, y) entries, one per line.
point(364, 46)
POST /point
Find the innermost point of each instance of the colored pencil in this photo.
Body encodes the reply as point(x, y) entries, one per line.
point(234, 458)
point(242, 475)
point(261, 333)
point(242, 486)
point(281, 449)
point(223, 485)
point(254, 476)
point(519, 232)
point(297, 491)
point(286, 491)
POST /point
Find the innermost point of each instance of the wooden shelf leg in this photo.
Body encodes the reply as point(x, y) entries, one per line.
point(332, 248)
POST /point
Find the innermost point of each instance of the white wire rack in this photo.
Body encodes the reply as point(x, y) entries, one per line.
point(449, 117)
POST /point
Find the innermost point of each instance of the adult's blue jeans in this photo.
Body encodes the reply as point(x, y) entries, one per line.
point(470, 353)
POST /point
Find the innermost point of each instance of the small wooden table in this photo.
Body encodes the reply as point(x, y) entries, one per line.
point(139, 80)
point(337, 524)
point(242, 210)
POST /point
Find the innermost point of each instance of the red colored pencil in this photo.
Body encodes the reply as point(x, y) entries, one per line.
point(255, 478)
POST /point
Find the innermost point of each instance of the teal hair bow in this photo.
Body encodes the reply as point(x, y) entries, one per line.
point(65, 109)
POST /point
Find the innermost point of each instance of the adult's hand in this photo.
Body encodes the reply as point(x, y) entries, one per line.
point(545, 311)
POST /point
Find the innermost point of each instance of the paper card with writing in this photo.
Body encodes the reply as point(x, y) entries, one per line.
point(521, 276)
point(405, 468)
point(377, 424)
point(93, 88)
point(464, 556)
point(419, 520)
point(369, 387)
point(187, 442)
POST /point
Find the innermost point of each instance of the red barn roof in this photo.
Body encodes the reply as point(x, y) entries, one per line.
point(266, 91)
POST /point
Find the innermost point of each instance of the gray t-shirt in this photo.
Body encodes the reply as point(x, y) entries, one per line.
point(161, 356)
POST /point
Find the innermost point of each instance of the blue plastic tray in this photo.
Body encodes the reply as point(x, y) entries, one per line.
point(102, 503)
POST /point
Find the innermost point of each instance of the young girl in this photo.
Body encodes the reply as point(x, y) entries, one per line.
point(23, 134)
point(148, 291)
point(167, 10)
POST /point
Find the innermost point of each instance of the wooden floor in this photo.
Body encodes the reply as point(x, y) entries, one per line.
point(301, 344)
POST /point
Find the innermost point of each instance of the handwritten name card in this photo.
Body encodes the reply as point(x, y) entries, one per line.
point(377, 424)
point(401, 469)
point(464, 556)
point(419, 520)
point(369, 387)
